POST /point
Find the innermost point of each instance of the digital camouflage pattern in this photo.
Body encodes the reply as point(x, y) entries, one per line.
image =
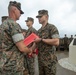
point(11, 59)
point(46, 57)
point(4, 18)
point(30, 61)
point(41, 13)
point(31, 30)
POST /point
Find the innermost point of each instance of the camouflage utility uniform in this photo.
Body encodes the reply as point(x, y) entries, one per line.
point(3, 19)
point(30, 60)
point(31, 30)
point(46, 57)
point(66, 43)
point(11, 59)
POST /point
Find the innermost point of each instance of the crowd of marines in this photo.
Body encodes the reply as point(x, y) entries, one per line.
point(15, 56)
point(65, 42)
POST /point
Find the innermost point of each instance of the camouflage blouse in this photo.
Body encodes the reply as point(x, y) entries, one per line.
point(46, 50)
point(31, 30)
point(11, 59)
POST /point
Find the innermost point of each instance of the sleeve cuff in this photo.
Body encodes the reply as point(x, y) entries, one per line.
point(55, 36)
point(17, 37)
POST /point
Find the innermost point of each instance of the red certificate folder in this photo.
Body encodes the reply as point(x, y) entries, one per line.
point(30, 39)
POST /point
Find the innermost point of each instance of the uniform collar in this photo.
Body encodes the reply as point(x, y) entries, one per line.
point(44, 26)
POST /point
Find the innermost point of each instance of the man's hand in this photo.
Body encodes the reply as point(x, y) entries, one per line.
point(37, 40)
point(30, 49)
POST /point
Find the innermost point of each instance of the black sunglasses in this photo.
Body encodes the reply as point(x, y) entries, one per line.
point(39, 16)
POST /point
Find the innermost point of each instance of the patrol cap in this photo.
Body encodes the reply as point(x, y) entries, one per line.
point(29, 19)
point(17, 5)
point(4, 18)
point(41, 13)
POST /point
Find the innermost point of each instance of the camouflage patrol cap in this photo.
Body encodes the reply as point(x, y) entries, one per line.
point(29, 19)
point(17, 5)
point(4, 18)
point(41, 13)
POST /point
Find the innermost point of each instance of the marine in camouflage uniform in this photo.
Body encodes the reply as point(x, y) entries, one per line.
point(48, 38)
point(31, 29)
point(3, 19)
point(11, 58)
point(66, 42)
point(30, 60)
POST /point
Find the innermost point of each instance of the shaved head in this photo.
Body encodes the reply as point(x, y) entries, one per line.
point(14, 12)
point(11, 8)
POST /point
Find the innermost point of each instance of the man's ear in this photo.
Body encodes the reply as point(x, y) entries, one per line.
point(14, 9)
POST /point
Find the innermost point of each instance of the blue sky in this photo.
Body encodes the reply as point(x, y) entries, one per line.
point(62, 13)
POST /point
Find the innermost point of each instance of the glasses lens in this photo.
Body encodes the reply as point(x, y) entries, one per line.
point(39, 16)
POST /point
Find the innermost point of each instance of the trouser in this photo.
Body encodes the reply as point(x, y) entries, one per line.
point(49, 69)
point(66, 46)
point(30, 65)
